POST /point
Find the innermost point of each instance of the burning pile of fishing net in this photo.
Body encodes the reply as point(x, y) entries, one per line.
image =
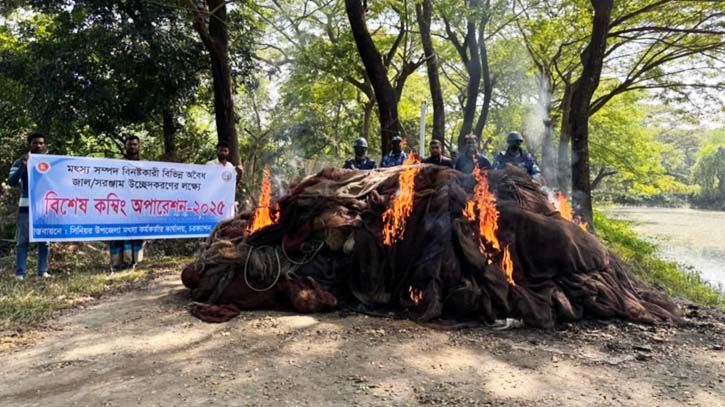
point(423, 241)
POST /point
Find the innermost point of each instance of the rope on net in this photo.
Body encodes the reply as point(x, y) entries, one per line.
point(246, 268)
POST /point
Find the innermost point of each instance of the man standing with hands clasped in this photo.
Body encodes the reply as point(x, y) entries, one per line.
point(127, 253)
point(19, 175)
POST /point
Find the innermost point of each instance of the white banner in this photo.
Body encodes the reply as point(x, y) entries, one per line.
point(80, 199)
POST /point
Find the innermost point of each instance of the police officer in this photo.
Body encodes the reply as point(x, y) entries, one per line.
point(396, 156)
point(465, 162)
point(436, 157)
point(360, 161)
point(515, 155)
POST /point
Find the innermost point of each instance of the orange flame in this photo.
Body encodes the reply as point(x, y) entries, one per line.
point(403, 143)
point(583, 225)
point(415, 295)
point(470, 211)
point(401, 207)
point(508, 266)
point(262, 215)
point(567, 213)
point(485, 203)
point(564, 208)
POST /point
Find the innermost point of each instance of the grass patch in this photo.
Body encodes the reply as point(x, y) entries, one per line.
point(642, 259)
point(78, 277)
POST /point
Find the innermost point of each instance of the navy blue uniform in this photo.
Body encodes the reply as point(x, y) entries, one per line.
point(440, 160)
point(464, 163)
point(391, 160)
point(354, 164)
point(523, 159)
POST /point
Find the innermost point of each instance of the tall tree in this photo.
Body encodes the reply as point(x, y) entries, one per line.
point(577, 122)
point(424, 13)
point(472, 50)
point(385, 94)
point(211, 23)
point(102, 69)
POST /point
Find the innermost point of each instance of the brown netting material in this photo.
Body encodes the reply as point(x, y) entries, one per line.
point(326, 250)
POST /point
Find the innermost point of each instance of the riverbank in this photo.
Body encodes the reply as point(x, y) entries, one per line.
point(643, 257)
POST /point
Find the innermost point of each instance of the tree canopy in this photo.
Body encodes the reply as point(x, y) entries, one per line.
point(630, 93)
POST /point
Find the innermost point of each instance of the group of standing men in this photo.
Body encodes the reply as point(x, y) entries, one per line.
point(465, 162)
point(127, 253)
point(124, 254)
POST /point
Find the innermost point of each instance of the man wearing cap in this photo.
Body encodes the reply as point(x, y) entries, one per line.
point(361, 161)
point(465, 162)
point(435, 155)
point(516, 156)
point(396, 156)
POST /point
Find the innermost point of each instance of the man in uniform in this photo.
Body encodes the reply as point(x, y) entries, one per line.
point(19, 175)
point(127, 253)
point(465, 161)
point(361, 161)
point(515, 155)
point(396, 156)
point(436, 157)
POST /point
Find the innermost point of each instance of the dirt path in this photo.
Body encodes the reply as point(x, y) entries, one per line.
point(144, 348)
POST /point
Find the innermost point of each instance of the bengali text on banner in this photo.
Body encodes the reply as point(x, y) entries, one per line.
point(81, 199)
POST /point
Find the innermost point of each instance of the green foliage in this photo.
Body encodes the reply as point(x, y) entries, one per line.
point(709, 171)
point(620, 142)
point(641, 258)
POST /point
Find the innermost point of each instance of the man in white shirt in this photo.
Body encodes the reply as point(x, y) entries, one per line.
point(222, 158)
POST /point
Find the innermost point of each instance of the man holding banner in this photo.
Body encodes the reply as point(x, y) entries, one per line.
point(19, 175)
point(125, 201)
point(127, 253)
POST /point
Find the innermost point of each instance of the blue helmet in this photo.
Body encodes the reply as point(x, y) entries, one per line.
point(397, 139)
point(513, 137)
point(361, 142)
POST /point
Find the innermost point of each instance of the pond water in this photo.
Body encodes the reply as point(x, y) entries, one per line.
point(691, 237)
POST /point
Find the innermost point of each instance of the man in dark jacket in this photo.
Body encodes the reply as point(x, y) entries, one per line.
point(465, 161)
point(516, 156)
point(396, 156)
point(127, 253)
point(19, 175)
point(361, 161)
point(436, 157)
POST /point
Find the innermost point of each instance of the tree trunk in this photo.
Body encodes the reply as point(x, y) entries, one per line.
point(473, 68)
point(720, 174)
point(384, 92)
point(213, 31)
point(170, 129)
point(578, 121)
point(424, 13)
point(563, 171)
point(487, 81)
point(367, 118)
point(548, 153)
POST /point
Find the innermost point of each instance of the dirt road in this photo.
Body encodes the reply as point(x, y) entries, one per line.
point(143, 348)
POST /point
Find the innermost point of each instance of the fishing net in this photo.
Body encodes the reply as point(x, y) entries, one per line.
point(326, 251)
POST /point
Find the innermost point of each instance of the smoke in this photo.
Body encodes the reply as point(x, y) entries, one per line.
point(533, 121)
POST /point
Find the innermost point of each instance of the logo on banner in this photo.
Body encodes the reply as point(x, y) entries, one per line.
point(43, 167)
point(227, 175)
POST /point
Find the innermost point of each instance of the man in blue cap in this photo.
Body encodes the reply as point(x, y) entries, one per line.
point(396, 156)
point(361, 161)
point(516, 156)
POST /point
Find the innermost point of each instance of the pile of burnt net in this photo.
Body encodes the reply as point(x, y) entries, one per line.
point(421, 241)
